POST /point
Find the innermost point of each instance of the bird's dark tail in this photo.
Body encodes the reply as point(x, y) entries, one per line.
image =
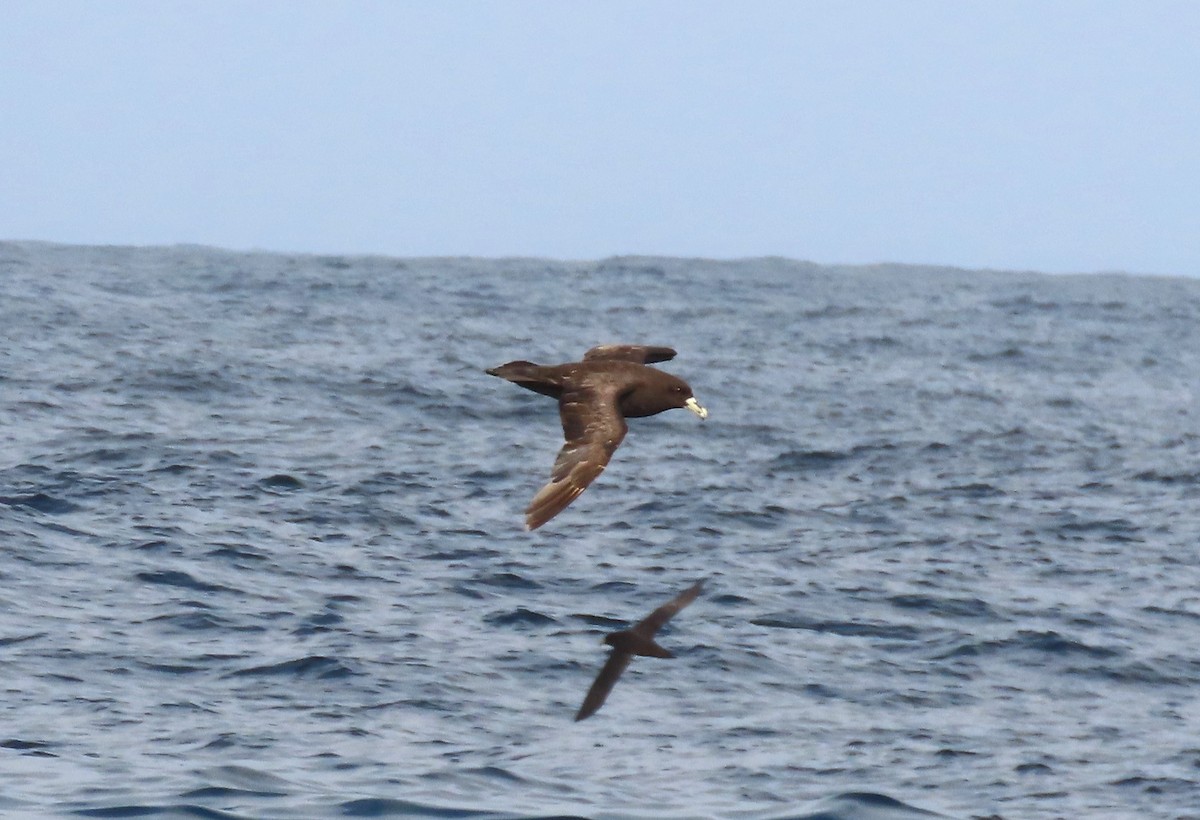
point(650, 649)
point(515, 371)
point(531, 376)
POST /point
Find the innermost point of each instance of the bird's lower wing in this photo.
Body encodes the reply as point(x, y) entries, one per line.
point(593, 429)
point(613, 667)
point(582, 465)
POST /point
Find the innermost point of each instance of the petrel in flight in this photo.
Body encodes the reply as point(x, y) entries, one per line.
point(629, 642)
point(595, 396)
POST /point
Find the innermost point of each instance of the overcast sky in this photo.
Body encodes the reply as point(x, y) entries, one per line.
point(1045, 135)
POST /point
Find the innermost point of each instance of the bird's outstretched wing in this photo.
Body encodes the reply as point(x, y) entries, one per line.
point(593, 428)
point(653, 622)
point(642, 354)
point(617, 661)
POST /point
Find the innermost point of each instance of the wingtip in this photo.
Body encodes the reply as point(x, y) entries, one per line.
point(535, 518)
point(549, 502)
point(532, 519)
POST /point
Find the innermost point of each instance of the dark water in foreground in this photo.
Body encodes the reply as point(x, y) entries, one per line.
point(261, 550)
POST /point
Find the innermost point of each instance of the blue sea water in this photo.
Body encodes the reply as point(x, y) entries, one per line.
point(262, 554)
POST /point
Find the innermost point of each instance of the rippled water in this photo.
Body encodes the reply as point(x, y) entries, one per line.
point(263, 556)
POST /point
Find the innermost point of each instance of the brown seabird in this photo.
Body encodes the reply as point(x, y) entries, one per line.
point(595, 396)
point(629, 642)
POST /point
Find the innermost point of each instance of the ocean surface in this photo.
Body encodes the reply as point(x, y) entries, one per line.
point(262, 551)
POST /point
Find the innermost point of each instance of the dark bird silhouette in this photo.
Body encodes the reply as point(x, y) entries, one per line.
point(595, 396)
point(629, 642)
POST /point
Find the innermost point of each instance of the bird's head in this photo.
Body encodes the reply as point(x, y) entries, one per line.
point(681, 394)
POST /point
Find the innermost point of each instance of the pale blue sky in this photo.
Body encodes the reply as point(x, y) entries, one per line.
point(1054, 136)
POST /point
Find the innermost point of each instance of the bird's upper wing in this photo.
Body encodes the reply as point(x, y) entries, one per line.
point(593, 428)
point(654, 621)
point(604, 682)
point(642, 354)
